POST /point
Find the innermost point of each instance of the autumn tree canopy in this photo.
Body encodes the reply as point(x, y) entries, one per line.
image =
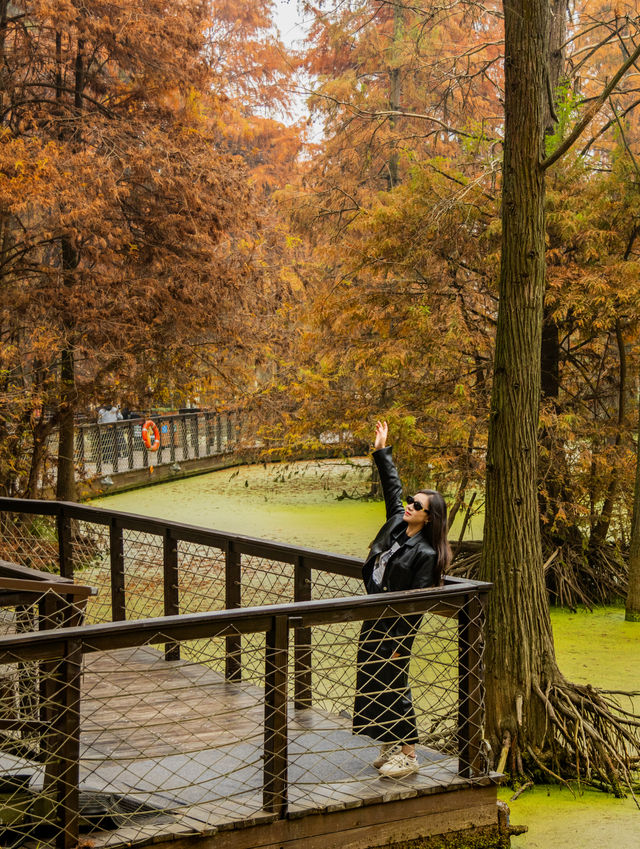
point(400, 272)
point(129, 221)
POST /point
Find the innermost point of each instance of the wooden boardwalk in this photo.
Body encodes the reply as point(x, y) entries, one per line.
point(185, 746)
point(171, 752)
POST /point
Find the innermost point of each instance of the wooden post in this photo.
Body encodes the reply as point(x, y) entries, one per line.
point(207, 424)
point(116, 551)
point(66, 723)
point(171, 590)
point(114, 433)
point(470, 688)
point(183, 438)
point(130, 445)
point(99, 439)
point(80, 453)
point(172, 439)
point(157, 460)
point(233, 600)
point(65, 550)
point(302, 657)
point(195, 433)
point(229, 432)
point(274, 797)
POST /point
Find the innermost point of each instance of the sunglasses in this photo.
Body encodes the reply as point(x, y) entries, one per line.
point(417, 505)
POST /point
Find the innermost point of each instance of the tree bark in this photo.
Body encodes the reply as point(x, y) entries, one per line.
point(553, 472)
point(394, 91)
point(66, 479)
point(632, 606)
point(519, 640)
point(601, 529)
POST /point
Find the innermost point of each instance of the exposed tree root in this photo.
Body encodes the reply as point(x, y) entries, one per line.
point(589, 737)
point(573, 579)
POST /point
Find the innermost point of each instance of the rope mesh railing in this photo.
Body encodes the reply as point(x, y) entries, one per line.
point(201, 577)
point(174, 745)
point(181, 733)
point(329, 585)
point(115, 447)
point(30, 540)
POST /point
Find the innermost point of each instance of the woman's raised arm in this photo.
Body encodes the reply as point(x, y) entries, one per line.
point(382, 431)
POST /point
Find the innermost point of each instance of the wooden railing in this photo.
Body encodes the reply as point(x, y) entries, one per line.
point(457, 600)
point(107, 449)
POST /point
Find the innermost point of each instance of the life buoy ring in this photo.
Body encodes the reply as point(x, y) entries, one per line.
point(149, 428)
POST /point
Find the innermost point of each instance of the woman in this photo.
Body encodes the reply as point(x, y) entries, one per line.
point(410, 552)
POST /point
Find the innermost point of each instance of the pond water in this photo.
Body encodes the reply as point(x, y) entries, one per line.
point(317, 505)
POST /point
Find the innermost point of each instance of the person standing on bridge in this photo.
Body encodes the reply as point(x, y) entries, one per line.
point(410, 551)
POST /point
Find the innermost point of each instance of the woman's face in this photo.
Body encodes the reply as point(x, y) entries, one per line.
point(416, 513)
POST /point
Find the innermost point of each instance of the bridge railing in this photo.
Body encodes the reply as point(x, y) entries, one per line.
point(232, 688)
point(107, 449)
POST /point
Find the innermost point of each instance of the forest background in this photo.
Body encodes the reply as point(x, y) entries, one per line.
point(169, 232)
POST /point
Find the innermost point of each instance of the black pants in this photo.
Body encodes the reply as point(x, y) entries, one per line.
point(383, 707)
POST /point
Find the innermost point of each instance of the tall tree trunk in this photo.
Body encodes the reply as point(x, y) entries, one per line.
point(394, 90)
point(632, 606)
point(66, 484)
point(66, 479)
point(553, 470)
point(520, 651)
point(601, 529)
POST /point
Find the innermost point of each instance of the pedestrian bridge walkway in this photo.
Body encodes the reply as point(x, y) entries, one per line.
point(208, 692)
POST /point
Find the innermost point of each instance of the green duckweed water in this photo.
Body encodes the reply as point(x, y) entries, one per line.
point(316, 504)
point(600, 648)
point(298, 503)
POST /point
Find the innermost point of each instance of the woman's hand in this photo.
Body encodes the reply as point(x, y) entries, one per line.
point(382, 430)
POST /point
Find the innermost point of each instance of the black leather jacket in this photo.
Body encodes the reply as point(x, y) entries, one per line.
point(413, 564)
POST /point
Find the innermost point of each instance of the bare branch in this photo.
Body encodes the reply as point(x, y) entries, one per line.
point(590, 113)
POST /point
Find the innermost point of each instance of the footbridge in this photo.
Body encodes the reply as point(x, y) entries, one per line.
point(115, 456)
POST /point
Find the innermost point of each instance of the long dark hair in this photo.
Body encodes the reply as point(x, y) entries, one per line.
point(436, 532)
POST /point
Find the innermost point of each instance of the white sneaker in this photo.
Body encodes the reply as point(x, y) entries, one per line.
point(399, 765)
point(386, 751)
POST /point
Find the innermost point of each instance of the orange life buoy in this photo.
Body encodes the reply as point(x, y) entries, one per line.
point(149, 428)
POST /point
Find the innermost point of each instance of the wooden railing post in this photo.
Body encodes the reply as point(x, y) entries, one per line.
point(229, 433)
point(275, 718)
point(99, 447)
point(79, 451)
point(218, 434)
point(65, 731)
point(208, 431)
point(145, 455)
point(302, 657)
point(65, 549)
point(183, 438)
point(233, 599)
point(470, 688)
point(130, 444)
point(113, 432)
point(116, 551)
point(171, 591)
point(163, 427)
point(195, 434)
point(172, 439)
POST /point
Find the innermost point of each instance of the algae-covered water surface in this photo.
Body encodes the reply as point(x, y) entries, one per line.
point(316, 504)
point(319, 505)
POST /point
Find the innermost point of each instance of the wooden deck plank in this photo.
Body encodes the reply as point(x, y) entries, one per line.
point(179, 737)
